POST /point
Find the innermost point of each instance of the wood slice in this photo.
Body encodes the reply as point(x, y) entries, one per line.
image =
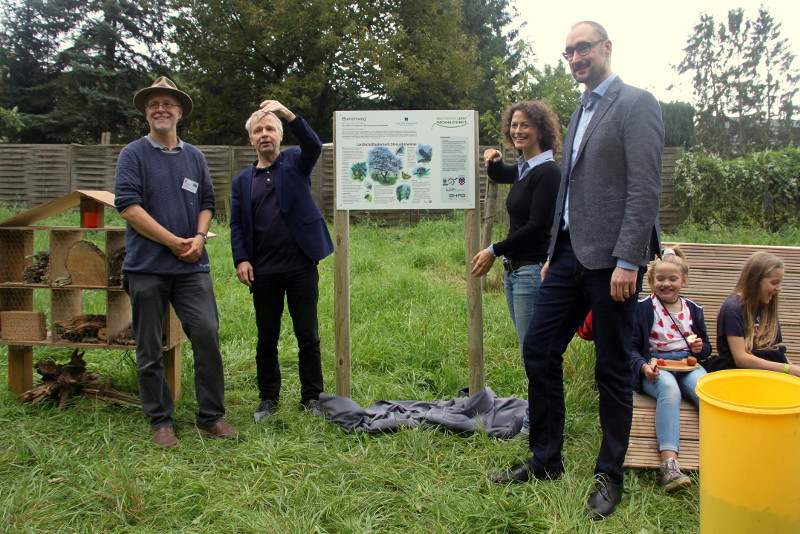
point(86, 264)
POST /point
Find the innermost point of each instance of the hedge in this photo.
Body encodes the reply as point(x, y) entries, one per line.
point(758, 190)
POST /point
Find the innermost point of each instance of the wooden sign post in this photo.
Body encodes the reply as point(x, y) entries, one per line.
point(386, 160)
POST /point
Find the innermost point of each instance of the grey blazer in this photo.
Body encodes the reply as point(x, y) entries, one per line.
point(615, 181)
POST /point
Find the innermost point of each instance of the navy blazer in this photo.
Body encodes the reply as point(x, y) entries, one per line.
point(615, 181)
point(293, 187)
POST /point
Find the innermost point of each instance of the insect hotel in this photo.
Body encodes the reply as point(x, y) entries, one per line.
point(61, 286)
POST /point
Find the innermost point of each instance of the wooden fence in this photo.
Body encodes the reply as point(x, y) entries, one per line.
point(34, 174)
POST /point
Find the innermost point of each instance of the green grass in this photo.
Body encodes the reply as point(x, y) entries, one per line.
point(92, 468)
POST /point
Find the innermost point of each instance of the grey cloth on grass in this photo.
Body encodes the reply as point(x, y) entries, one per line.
point(482, 412)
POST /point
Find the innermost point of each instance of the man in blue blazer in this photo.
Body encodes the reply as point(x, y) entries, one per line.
point(605, 231)
point(278, 236)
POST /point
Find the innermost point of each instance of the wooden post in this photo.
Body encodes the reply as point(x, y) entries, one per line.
point(489, 212)
point(472, 242)
point(20, 368)
point(474, 305)
point(341, 300)
point(171, 358)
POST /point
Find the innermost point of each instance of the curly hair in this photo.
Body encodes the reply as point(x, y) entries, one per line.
point(542, 117)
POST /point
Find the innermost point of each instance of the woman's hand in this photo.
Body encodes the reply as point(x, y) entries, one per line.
point(481, 263)
point(491, 155)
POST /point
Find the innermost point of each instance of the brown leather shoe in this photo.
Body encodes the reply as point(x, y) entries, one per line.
point(165, 437)
point(219, 430)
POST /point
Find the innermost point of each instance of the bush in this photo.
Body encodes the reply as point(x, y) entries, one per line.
point(759, 190)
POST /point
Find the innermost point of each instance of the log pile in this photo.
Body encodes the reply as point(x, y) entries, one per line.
point(89, 328)
point(39, 272)
point(63, 381)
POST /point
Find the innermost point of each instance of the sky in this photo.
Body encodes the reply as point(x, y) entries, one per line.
point(647, 41)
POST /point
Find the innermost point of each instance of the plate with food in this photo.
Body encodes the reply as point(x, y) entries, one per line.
point(684, 365)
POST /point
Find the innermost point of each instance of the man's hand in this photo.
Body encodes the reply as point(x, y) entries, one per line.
point(194, 251)
point(623, 284)
point(278, 109)
point(245, 273)
point(545, 268)
point(482, 262)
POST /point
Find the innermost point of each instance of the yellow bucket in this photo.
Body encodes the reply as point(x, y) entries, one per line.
point(749, 452)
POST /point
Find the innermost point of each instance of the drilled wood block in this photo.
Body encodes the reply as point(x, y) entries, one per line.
point(23, 326)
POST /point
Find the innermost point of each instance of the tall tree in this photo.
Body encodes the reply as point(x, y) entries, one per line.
point(744, 82)
point(73, 66)
point(770, 54)
point(431, 62)
point(315, 57)
point(488, 24)
point(679, 129)
point(321, 56)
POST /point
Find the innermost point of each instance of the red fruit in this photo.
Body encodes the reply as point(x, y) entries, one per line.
point(691, 361)
point(661, 362)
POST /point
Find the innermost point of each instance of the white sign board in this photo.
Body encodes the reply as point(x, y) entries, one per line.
point(390, 160)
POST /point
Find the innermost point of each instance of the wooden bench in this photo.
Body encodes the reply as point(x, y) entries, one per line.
point(713, 273)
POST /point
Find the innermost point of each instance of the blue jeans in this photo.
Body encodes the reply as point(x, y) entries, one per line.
point(668, 389)
point(522, 292)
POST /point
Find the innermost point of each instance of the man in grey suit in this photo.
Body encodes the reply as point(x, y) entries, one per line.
point(605, 231)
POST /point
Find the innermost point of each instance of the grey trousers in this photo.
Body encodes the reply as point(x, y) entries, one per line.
point(192, 297)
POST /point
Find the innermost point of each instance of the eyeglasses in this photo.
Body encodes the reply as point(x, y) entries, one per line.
point(582, 49)
point(152, 106)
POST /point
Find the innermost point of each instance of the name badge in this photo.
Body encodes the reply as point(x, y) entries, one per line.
point(190, 185)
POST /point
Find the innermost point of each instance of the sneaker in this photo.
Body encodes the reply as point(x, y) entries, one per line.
point(671, 477)
point(313, 407)
point(264, 410)
point(524, 431)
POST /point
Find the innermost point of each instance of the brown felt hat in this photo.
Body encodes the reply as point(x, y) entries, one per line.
point(163, 85)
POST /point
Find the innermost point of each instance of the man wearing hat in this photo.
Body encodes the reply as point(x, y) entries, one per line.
point(164, 191)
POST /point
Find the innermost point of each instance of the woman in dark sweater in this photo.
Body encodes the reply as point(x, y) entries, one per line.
point(533, 129)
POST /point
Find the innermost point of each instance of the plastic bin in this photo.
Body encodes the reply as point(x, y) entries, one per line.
point(749, 452)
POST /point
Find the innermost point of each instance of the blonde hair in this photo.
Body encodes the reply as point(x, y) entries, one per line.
point(257, 116)
point(672, 255)
point(758, 266)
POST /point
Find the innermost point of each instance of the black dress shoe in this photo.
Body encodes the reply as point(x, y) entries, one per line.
point(604, 498)
point(313, 407)
point(525, 472)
